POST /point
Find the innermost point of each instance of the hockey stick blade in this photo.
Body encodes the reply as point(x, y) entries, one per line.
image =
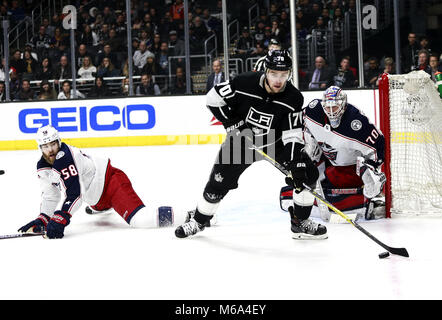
point(398, 251)
point(21, 235)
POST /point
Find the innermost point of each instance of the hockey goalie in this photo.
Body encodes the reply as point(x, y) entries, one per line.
point(349, 152)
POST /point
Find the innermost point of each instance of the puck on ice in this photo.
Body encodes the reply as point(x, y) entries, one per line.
point(2, 171)
point(384, 255)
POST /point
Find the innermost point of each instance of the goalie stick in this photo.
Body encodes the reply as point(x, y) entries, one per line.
point(398, 251)
point(21, 235)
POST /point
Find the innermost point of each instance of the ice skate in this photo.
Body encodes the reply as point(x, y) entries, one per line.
point(89, 210)
point(209, 223)
point(308, 229)
point(189, 229)
point(375, 208)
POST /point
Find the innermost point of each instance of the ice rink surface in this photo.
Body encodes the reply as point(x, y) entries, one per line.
point(249, 254)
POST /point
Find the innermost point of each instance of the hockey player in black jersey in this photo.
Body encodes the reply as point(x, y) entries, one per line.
point(264, 109)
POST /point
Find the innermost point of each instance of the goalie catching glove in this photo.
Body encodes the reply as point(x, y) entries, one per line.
point(372, 177)
point(302, 170)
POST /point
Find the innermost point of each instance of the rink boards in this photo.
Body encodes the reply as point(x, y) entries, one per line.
point(134, 121)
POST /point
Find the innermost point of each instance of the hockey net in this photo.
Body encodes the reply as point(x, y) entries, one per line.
point(411, 120)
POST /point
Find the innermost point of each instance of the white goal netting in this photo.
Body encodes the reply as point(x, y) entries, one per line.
point(416, 144)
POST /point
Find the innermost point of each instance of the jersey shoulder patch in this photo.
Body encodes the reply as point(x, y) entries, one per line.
point(315, 112)
point(355, 124)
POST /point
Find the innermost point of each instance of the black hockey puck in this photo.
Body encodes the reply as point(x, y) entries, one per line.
point(2, 172)
point(384, 255)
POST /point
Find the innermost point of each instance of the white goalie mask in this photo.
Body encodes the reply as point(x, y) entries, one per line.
point(334, 103)
point(47, 134)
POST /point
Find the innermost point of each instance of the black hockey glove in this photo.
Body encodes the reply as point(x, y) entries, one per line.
point(37, 225)
point(236, 127)
point(56, 225)
point(302, 170)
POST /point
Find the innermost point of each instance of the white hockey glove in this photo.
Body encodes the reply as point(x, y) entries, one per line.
point(372, 177)
point(312, 147)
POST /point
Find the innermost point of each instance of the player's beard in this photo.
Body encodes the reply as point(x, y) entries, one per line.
point(50, 158)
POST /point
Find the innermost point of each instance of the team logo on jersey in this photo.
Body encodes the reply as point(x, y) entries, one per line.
point(59, 155)
point(312, 104)
point(219, 178)
point(328, 151)
point(260, 121)
point(356, 125)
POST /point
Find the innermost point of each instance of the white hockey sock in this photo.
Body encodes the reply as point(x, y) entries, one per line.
point(148, 217)
point(207, 208)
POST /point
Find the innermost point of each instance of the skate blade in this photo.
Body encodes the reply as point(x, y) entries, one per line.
point(306, 236)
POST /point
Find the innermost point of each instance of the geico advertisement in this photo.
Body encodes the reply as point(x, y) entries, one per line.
point(109, 117)
point(170, 118)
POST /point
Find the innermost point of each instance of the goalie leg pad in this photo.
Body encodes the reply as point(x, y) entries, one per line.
point(373, 183)
point(342, 199)
point(286, 198)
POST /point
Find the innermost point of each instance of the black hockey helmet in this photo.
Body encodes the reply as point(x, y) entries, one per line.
point(274, 42)
point(278, 60)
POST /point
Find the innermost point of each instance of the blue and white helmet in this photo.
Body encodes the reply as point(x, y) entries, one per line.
point(334, 103)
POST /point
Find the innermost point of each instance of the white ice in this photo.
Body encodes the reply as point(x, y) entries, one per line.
point(249, 254)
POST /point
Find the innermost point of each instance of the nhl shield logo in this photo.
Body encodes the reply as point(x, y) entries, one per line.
point(219, 178)
point(356, 125)
point(59, 155)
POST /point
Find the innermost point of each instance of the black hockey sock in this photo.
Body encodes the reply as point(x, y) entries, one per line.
point(201, 218)
point(300, 212)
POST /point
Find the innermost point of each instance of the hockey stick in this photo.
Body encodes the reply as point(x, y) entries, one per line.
point(21, 235)
point(398, 251)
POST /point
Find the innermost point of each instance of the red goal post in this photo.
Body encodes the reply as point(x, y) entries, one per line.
point(411, 121)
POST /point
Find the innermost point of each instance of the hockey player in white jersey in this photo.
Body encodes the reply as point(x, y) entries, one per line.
point(349, 150)
point(68, 177)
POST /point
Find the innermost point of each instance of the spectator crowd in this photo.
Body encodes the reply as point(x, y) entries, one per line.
point(42, 69)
